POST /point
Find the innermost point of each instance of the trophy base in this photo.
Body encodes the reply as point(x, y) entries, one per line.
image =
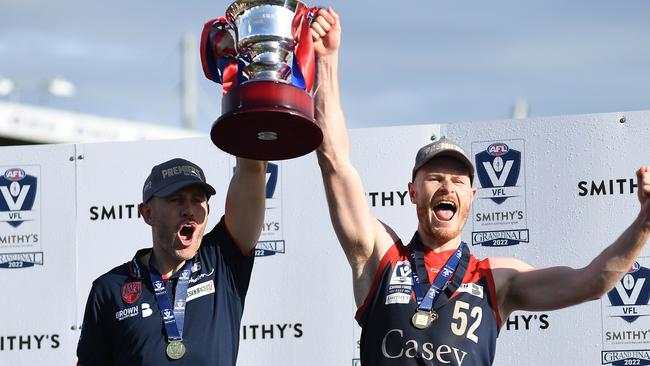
point(266, 120)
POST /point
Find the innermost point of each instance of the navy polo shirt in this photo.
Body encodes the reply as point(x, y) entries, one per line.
point(122, 323)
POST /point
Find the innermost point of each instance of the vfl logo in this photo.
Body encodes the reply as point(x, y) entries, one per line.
point(631, 293)
point(401, 284)
point(498, 167)
point(180, 304)
point(402, 275)
point(167, 315)
point(158, 286)
point(184, 276)
point(403, 271)
point(18, 191)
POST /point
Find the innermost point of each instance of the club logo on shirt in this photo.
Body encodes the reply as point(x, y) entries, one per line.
point(131, 292)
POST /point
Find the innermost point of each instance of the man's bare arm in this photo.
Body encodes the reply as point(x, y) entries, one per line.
point(521, 287)
point(363, 238)
point(245, 203)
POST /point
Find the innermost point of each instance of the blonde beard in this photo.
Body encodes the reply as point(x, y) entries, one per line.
point(444, 235)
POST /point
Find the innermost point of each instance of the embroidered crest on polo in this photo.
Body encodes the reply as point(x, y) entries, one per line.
point(131, 292)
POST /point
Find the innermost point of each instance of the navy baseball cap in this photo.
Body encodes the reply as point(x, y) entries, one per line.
point(172, 175)
point(442, 147)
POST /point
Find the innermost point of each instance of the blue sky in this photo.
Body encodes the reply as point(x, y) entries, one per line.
point(401, 62)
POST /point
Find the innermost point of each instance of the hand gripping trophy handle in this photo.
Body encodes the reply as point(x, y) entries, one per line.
point(262, 54)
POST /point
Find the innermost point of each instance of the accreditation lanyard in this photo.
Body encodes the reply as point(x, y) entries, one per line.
point(425, 303)
point(172, 319)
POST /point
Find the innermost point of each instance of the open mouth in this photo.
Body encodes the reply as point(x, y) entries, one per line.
point(445, 210)
point(186, 233)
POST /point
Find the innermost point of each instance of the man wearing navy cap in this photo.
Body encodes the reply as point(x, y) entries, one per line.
point(428, 301)
point(181, 301)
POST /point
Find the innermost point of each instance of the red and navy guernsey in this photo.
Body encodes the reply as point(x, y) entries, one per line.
point(463, 335)
point(122, 323)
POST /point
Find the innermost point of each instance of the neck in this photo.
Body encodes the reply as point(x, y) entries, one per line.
point(438, 244)
point(165, 266)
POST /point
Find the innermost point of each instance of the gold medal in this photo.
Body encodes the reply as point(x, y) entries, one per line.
point(423, 319)
point(175, 350)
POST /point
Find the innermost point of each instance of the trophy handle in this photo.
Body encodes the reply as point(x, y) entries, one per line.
point(218, 51)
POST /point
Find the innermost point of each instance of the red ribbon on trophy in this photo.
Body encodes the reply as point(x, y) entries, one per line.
point(218, 54)
point(304, 50)
point(267, 112)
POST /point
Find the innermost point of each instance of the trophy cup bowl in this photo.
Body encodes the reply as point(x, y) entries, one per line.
point(266, 116)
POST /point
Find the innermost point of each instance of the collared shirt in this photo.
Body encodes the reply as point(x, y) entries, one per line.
point(122, 322)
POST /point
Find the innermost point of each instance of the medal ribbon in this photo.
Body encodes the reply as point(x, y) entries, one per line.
point(425, 303)
point(172, 319)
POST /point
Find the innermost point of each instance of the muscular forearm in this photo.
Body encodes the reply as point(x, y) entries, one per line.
point(329, 113)
point(245, 202)
point(612, 264)
point(351, 218)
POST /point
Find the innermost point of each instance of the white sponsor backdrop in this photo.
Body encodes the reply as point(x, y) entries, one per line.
point(300, 304)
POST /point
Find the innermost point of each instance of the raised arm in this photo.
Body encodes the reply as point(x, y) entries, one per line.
point(245, 203)
point(363, 238)
point(520, 287)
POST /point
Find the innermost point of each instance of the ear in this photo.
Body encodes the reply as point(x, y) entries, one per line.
point(412, 195)
point(474, 191)
point(145, 211)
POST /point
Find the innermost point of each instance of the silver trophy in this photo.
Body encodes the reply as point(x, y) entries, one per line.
point(267, 113)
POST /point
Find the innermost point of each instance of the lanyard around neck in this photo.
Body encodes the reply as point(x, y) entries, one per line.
point(173, 318)
point(457, 262)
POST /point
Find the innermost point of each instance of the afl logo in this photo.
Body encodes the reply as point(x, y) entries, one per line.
point(498, 149)
point(15, 174)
